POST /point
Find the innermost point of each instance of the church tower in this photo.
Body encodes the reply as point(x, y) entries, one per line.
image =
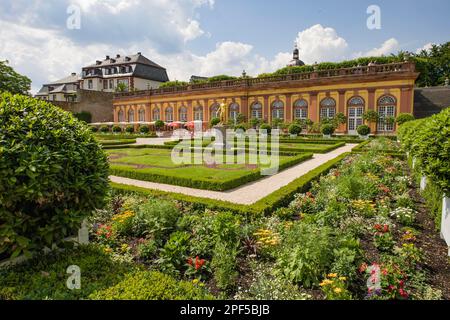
point(296, 58)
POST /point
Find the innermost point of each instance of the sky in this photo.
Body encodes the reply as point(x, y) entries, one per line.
point(43, 40)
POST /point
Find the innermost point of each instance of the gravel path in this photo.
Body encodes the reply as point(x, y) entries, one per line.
point(248, 193)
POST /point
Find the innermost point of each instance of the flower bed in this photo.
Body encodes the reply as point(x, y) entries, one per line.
point(352, 234)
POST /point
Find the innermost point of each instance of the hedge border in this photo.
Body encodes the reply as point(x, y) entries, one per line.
point(360, 149)
point(202, 183)
point(268, 204)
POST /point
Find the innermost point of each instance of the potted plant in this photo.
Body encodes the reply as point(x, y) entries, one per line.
point(117, 129)
point(255, 123)
point(129, 129)
point(266, 129)
point(363, 131)
point(240, 130)
point(327, 130)
point(104, 129)
point(94, 129)
point(144, 129)
point(214, 122)
point(159, 124)
point(295, 130)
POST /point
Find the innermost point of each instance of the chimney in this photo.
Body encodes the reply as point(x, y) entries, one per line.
point(74, 74)
point(117, 56)
point(107, 57)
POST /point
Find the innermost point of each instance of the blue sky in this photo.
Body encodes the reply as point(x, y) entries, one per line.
point(209, 37)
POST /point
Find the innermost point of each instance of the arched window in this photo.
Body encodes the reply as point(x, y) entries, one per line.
point(278, 110)
point(355, 109)
point(215, 110)
point(182, 114)
point(300, 109)
point(234, 111)
point(386, 109)
point(256, 110)
point(327, 108)
point(169, 114)
point(141, 115)
point(121, 116)
point(131, 115)
point(198, 113)
point(156, 114)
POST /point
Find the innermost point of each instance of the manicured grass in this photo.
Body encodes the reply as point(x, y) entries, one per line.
point(156, 165)
point(265, 205)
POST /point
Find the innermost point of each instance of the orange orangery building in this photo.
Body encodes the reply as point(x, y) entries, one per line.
point(387, 89)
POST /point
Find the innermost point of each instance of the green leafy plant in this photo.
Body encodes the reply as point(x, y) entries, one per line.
point(363, 130)
point(159, 124)
point(403, 118)
point(214, 122)
point(104, 129)
point(266, 127)
point(327, 129)
point(144, 129)
point(129, 129)
point(224, 265)
point(295, 129)
point(53, 174)
point(117, 129)
point(174, 254)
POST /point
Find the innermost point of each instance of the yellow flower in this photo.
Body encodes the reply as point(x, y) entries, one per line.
point(337, 290)
point(195, 281)
point(326, 282)
point(332, 275)
point(342, 278)
point(107, 250)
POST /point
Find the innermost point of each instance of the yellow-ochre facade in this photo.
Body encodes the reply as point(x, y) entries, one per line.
point(387, 89)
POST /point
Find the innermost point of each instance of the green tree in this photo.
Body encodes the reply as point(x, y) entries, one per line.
point(121, 87)
point(11, 81)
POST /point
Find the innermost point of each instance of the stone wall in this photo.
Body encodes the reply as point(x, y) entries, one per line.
point(99, 104)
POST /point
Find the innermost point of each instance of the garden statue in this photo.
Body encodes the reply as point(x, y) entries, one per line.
point(223, 112)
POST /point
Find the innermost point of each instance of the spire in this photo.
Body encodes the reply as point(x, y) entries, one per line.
point(296, 56)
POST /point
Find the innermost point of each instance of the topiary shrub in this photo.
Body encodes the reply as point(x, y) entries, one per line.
point(159, 124)
point(363, 130)
point(144, 129)
point(116, 129)
point(266, 127)
point(129, 129)
point(295, 129)
point(53, 174)
point(404, 117)
point(104, 129)
point(94, 129)
point(214, 122)
point(242, 127)
point(327, 129)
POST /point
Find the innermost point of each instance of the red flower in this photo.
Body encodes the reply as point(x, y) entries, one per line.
point(189, 261)
point(199, 263)
point(403, 293)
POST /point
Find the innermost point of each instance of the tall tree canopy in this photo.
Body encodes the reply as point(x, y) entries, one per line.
point(434, 65)
point(11, 81)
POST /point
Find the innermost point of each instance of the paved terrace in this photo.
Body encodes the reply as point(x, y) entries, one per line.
point(249, 193)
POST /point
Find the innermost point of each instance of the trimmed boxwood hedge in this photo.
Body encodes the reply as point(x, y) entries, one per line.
point(202, 183)
point(266, 205)
point(117, 142)
point(428, 140)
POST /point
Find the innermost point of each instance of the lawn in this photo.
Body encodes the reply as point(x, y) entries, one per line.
point(152, 164)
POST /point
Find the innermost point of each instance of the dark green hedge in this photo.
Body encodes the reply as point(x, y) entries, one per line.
point(202, 183)
point(428, 140)
point(277, 199)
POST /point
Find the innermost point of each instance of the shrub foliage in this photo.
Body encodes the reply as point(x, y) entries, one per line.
point(53, 173)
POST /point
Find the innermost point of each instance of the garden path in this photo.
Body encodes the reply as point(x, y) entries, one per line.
point(251, 192)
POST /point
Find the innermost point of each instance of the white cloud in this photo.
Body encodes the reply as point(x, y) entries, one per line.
point(426, 47)
point(388, 47)
point(320, 44)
